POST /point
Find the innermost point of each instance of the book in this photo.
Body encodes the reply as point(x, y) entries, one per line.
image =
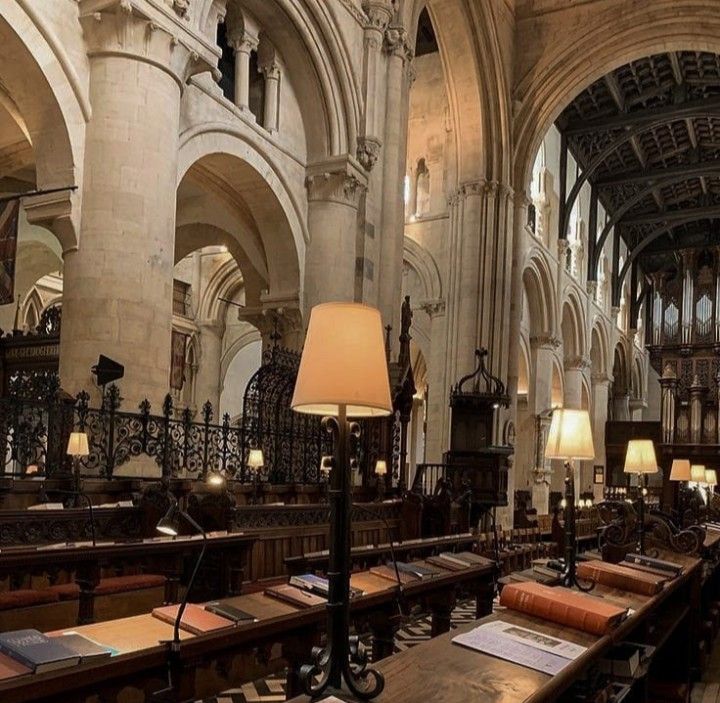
point(622, 577)
point(417, 570)
point(225, 610)
point(47, 506)
point(195, 619)
point(648, 569)
point(389, 573)
point(11, 668)
point(37, 651)
point(86, 649)
point(643, 560)
point(467, 558)
point(449, 564)
point(295, 596)
point(562, 606)
point(319, 585)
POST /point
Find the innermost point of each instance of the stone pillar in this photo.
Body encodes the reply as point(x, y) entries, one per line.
point(438, 412)
point(621, 405)
point(271, 72)
point(207, 383)
point(243, 45)
point(394, 155)
point(600, 391)
point(574, 370)
point(334, 188)
point(117, 297)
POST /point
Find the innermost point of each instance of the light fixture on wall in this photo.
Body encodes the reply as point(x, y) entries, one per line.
point(381, 473)
point(570, 438)
point(640, 459)
point(343, 374)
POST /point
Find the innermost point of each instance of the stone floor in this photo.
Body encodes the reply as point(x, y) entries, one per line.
point(272, 689)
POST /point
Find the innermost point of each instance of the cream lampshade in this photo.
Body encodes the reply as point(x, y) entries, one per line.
point(640, 457)
point(697, 473)
point(256, 460)
point(680, 470)
point(343, 363)
point(570, 436)
point(711, 477)
point(380, 467)
point(78, 444)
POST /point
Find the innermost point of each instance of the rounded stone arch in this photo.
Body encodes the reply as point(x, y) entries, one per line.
point(643, 30)
point(477, 89)
point(320, 68)
point(621, 373)
point(424, 264)
point(250, 337)
point(540, 293)
point(585, 395)
point(599, 348)
point(39, 80)
point(572, 326)
point(226, 283)
point(524, 379)
point(557, 385)
point(244, 178)
point(638, 377)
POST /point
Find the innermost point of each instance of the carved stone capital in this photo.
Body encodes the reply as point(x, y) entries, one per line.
point(271, 71)
point(368, 150)
point(434, 308)
point(379, 13)
point(541, 475)
point(143, 32)
point(339, 179)
point(591, 287)
point(563, 245)
point(549, 341)
point(182, 8)
point(576, 363)
point(599, 379)
point(243, 42)
point(396, 43)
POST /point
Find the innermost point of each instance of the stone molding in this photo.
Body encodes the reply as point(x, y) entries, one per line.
point(576, 363)
point(600, 379)
point(54, 211)
point(368, 151)
point(128, 28)
point(340, 179)
point(378, 14)
point(549, 341)
point(434, 308)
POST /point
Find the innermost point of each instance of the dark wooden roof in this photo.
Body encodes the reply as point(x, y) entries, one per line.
point(649, 134)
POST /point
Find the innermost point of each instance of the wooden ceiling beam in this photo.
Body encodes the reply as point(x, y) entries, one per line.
point(689, 170)
point(665, 113)
point(686, 215)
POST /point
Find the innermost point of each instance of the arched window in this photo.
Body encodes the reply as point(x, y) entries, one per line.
point(422, 188)
point(226, 63)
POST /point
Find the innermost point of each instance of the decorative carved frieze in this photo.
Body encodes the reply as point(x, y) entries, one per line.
point(339, 179)
point(576, 363)
point(368, 150)
point(546, 340)
point(434, 308)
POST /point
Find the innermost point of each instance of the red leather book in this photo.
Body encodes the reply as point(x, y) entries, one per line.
point(195, 619)
point(295, 596)
point(562, 606)
point(621, 577)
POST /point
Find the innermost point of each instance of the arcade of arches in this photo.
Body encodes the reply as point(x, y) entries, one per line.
point(235, 162)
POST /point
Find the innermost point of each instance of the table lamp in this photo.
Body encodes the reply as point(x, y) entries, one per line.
point(640, 459)
point(711, 481)
point(570, 438)
point(343, 374)
point(680, 470)
point(255, 462)
point(381, 472)
point(697, 473)
point(77, 447)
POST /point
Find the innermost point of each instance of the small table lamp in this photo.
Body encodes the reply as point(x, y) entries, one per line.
point(680, 470)
point(343, 374)
point(570, 438)
point(640, 459)
point(255, 462)
point(697, 473)
point(381, 472)
point(711, 481)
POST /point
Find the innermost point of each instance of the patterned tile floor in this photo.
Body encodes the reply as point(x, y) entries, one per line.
point(272, 688)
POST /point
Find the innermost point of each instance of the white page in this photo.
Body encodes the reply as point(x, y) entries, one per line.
point(538, 640)
point(491, 642)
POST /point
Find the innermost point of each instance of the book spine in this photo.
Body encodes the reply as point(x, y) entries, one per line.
point(554, 610)
point(649, 561)
point(614, 580)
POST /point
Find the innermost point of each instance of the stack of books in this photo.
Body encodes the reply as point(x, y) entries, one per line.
point(641, 562)
point(623, 577)
point(35, 652)
point(318, 585)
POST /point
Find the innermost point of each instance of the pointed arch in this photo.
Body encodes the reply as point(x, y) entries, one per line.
point(573, 325)
point(540, 293)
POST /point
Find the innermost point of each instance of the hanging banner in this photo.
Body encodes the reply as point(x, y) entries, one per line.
point(177, 367)
point(9, 217)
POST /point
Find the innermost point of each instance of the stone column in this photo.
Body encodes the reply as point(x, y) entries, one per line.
point(334, 188)
point(394, 155)
point(243, 45)
point(117, 297)
point(271, 72)
point(572, 391)
point(600, 390)
point(207, 383)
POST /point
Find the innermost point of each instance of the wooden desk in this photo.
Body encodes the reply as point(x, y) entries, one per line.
point(166, 555)
point(215, 662)
point(443, 672)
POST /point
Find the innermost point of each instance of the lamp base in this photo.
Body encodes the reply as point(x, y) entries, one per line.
point(569, 575)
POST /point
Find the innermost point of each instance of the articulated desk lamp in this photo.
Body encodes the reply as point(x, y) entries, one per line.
point(570, 438)
point(343, 374)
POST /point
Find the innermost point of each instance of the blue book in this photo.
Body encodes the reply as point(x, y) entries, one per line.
point(37, 651)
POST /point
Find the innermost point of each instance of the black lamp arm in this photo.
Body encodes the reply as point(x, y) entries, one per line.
point(183, 605)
